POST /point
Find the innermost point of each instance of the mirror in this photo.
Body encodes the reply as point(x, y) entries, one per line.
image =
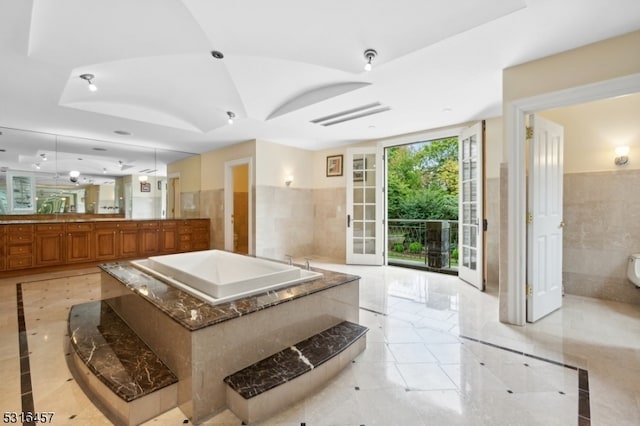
point(42, 173)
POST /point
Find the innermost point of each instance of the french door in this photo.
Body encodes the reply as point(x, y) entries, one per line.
point(470, 210)
point(365, 237)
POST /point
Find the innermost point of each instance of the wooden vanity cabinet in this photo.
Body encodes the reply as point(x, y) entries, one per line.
point(200, 234)
point(2, 252)
point(185, 234)
point(49, 244)
point(19, 246)
point(79, 242)
point(169, 237)
point(128, 245)
point(106, 239)
point(59, 243)
point(53, 244)
point(149, 238)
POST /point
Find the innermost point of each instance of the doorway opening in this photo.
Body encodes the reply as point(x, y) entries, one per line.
point(238, 206)
point(514, 297)
point(173, 196)
point(422, 204)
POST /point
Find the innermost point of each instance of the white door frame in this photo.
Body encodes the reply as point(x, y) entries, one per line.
point(516, 112)
point(228, 202)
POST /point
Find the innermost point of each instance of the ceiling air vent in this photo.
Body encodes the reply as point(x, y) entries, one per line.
point(351, 114)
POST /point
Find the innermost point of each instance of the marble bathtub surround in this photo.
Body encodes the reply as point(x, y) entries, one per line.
point(193, 313)
point(202, 344)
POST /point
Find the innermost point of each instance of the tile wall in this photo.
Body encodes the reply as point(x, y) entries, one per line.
point(284, 222)
point(212, 206)
point(602, 217)
point(329, 236)
point(493, 232)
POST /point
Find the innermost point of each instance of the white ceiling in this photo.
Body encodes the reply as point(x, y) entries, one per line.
point(286, 63)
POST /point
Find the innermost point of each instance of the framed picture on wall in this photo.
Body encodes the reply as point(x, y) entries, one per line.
point(145, 187)
point(334, 165)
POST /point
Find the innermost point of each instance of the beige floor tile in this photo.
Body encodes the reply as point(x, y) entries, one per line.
point(416, 369)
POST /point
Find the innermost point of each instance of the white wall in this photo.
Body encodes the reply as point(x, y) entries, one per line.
point(593, 131)
point(276, 162)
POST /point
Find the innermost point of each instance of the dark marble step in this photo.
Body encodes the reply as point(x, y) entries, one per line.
point(294, 361)
point(114, 353)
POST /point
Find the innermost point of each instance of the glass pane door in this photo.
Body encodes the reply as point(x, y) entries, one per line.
point(470, 211)
point(364, 204)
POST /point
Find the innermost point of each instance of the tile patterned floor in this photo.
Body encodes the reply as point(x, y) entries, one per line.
point(436, 354)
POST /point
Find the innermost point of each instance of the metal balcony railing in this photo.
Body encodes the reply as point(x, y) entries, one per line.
point(428, 244)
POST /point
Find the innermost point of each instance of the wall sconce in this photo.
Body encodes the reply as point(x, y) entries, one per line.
point(622, 155)
point(289, 180)
point(143, 178)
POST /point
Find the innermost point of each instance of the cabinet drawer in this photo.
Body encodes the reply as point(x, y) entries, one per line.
point(200, 245)
point(202, 235)
point(185, 237)
point(19, 249)
point(127, 225)
point(108, 225)
point(153, 224)
point(20, 229)
point(53, 227)
point(19, 262)
point(20, 238)
point(74, 227)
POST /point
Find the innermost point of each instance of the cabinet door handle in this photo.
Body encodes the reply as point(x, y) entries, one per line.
point(348, 221)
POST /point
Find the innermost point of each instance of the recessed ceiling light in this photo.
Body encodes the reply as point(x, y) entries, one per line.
point(447, 109)
point(122, 132)
point(217, 54)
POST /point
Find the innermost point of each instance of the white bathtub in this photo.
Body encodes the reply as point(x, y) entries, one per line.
point(218, 276)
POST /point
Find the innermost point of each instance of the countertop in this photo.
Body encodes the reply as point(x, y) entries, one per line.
point(193, 313)
point(106, 219)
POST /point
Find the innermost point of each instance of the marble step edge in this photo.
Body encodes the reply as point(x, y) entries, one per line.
point(114, 353)
point(295, 360)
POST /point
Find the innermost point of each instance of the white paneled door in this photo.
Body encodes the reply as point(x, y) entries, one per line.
point(544, 218)
point(470, 210)
point(364, 206)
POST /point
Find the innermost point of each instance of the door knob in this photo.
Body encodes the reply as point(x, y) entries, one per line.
point(562, 224)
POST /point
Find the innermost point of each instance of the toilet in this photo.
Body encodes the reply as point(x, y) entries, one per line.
point(633, 269)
